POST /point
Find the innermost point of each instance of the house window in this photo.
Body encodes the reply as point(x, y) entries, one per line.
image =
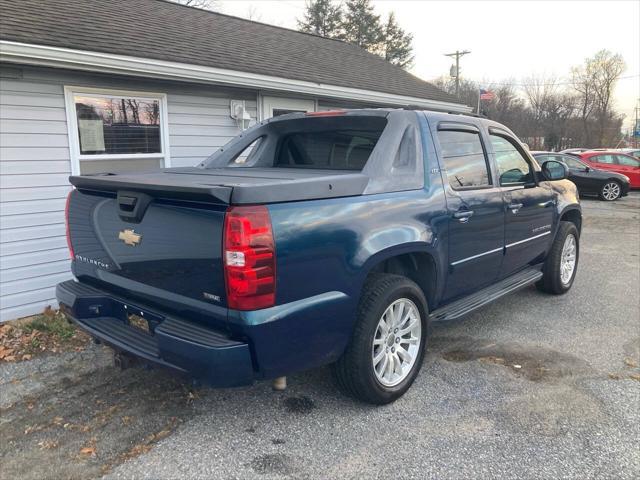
point(116, 130)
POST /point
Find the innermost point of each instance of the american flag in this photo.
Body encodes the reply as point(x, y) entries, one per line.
point(487, 95)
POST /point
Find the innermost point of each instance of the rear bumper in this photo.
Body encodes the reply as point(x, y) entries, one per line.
point(174, 343)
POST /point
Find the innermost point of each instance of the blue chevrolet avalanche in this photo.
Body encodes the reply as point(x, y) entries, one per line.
point(321, 238)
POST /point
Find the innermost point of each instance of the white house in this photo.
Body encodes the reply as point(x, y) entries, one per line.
point(90, 86)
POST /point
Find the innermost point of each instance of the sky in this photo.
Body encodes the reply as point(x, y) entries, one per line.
point(507, 39)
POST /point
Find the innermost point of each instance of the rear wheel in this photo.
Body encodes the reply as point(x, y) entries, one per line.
point(385, 353)
point(610, 191)
point(562, 262)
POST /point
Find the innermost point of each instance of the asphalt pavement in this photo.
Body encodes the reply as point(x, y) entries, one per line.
point(532, 386)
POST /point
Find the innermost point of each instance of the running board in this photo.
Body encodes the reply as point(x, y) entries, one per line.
point(487, 295)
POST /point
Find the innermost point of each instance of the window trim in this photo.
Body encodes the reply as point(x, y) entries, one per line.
point(74, 137)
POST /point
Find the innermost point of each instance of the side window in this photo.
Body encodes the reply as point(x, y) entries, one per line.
point(627, 161)
point(608, 159)
point(464, 159)
point(513, 168)
point(572, 163)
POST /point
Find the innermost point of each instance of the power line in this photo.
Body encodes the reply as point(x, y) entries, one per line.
point(516, 84)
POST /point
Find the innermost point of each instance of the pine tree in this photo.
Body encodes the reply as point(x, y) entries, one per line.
point(361, 25)
point(322, 17)
point(396, 43)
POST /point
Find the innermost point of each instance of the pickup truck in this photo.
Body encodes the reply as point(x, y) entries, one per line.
point(328, 238)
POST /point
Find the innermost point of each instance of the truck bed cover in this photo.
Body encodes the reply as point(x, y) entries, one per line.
point(233, 185)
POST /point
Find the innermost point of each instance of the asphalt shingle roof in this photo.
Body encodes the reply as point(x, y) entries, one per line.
point(158, 29)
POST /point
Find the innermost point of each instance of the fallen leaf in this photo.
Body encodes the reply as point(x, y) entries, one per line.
point(32, 428)
point(630, 363)
point(4, 330)
point(614, 376)
point(635, 376)
point(48, 444)
point(88, 451)
point(26, 356)
point(5, 352)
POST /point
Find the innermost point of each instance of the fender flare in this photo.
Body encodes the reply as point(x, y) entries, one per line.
point(404, 249)
point(573, 207)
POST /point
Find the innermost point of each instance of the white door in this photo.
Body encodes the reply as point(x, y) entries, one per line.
point(274, 106)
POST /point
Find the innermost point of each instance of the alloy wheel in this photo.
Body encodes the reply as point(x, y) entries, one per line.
point(568, 259)
point(611, 191)
point(396, 343)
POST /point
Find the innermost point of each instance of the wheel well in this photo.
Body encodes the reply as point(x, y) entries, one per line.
point(418, 267)
point(573, 216)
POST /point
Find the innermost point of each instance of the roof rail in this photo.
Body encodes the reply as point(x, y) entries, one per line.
point(418, 107)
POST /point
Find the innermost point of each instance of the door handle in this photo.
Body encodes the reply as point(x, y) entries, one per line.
point(463, 215)
point(514, 207)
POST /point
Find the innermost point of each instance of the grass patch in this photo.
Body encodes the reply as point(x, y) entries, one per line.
point(56, 324)
point(47, 333)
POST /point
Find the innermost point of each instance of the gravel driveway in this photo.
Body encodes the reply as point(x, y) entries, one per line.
point(533, 386)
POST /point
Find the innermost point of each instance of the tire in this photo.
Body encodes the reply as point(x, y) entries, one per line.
point(354, 371)
point(554, 280)
point(610, 191)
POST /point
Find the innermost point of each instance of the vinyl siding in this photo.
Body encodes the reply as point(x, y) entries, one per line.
point(199, 124)
point(35, 165)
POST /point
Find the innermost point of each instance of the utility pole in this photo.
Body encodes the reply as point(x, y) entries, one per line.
point(457, 54)
point(636, 126)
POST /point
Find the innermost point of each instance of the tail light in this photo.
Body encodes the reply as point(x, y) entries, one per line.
point(249, 258)
point(66, 222)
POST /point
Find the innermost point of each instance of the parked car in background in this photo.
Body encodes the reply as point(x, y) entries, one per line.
point(613, 161)
point(574, 150)
point(634, 152)
point(607, 185)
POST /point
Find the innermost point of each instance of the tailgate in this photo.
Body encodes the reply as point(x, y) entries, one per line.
point(167, 249)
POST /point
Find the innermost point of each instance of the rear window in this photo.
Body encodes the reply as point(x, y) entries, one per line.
point(342, 142)
point(335, 150)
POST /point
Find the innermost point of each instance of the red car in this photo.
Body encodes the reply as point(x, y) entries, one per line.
point(614, 162)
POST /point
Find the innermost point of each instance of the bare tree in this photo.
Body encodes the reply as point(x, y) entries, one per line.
point(608, 69)
point(252, 14)
point(539, 90)
point(595, 81)
point(583, 81)
point(203, 4)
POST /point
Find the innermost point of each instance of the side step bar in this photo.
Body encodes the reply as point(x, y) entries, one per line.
point(487, 295)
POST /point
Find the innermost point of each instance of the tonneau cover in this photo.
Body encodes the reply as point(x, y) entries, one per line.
point(232, 185)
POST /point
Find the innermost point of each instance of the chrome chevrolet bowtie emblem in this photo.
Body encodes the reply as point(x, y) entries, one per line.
point(129, 237)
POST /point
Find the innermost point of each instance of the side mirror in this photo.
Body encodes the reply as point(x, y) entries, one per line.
point(554, 170)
